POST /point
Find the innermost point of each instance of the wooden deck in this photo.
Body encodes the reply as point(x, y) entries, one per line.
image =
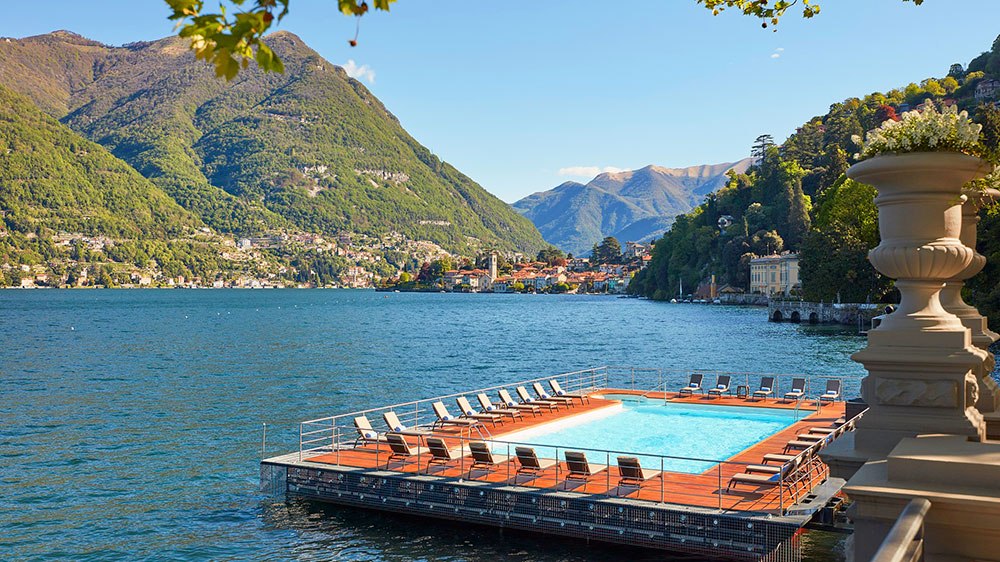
point(708, 489)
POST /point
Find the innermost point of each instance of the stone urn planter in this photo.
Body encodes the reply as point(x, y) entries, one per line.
point(921, 362)
point(920, 222)
point(951, 298)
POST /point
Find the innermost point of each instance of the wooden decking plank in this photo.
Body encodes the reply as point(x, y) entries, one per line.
point(702, 490)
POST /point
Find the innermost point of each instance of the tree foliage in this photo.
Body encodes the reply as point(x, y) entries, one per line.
point(609, 251)
point(797, 194)
point(234, 36)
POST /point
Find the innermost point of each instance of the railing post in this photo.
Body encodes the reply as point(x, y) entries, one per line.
point(781, 496)
point(300, 442)
point(263, 442)
point(509, 460)
point(720, 487)
point(607, 471)
point(663, 480)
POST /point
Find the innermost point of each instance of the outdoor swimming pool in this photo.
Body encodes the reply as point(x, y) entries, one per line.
point(652, 428)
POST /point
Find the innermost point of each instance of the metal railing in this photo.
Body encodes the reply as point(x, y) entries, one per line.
point(650, 381)
point(905, 541)
point(322, 435)
point(709, 488)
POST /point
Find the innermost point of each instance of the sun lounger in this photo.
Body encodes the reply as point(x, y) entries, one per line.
point(764, 479)
point(777, 457)
point(577, 468)
point(490, 408)
point(482, 456)
point(526, 398)
point(444, 418)
point(366, 433)
point(529, 461)
point(802, 444)
point(400, 449)
point(582, 395)
point(542, 395)
point(694, 385)
point(762, 468)
point(766, 388)
point(392, 421)
point(509, 402)
point(822, 430)
point(798, 390)
point(440, 453)
point(810, 437)
point(469, 413)
point(721, 386)
point(631, 473)
point(832, 391)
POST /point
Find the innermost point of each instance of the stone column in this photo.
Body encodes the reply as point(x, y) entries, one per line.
point(920, 360)
point(951, 299)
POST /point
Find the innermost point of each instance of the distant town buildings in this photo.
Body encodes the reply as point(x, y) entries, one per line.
point(774, 274)
point(634, 250)
point(987, 89)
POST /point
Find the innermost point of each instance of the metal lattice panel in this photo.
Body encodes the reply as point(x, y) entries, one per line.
point(649, 525)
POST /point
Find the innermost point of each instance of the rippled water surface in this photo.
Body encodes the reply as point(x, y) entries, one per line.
point(130, 421)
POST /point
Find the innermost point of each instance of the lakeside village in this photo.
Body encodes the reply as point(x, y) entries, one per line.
point(389, 263)
point(607, 271)
point(301, 260)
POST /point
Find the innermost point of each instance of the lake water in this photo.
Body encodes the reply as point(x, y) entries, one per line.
point(130, 421)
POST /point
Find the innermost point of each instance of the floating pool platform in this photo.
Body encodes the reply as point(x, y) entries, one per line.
point(687, 504)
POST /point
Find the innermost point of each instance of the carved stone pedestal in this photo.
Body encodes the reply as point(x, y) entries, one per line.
point(951, 299)
point(921, 361)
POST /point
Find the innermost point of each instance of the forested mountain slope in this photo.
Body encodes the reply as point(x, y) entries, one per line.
point(309, 150)
point(797, 198)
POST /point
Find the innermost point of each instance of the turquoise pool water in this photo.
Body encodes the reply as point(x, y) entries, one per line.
point(697, 432)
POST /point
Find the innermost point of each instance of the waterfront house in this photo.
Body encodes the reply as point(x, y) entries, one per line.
point(634, 250)
point(775, 274)
point(451, 278)
point(730, 294)
point(503, 284)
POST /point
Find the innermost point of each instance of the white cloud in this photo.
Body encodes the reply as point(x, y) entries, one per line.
point(364, 72)
point(588, 171)
point(775, 55)
point(780, 49)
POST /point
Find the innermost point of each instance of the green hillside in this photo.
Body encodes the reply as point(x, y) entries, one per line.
point(797, 198)
point(56, 186)
point(309, 150)
point(55, 180)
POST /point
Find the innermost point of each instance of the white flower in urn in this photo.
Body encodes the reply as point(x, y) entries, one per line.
point(926, 129)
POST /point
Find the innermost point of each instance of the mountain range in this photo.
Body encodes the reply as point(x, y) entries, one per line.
point(634, 205)
point(310, 150)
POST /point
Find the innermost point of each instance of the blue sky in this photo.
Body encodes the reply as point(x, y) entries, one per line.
point(523, 96)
